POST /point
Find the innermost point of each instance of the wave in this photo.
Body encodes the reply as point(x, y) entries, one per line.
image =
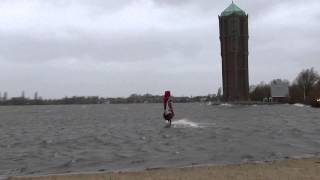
point(66, 164)
point(226, 105)
point(299, 105)
point(185, 123)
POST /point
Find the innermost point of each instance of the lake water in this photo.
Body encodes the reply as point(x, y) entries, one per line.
point(77, 138)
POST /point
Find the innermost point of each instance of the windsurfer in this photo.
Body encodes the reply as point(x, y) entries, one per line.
point(168, 113)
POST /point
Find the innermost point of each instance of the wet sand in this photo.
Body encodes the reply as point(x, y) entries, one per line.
point(294, 169)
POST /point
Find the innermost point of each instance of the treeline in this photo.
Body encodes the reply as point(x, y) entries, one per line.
point(66, 100)
point(149, 98)
point(304, 89)
point(134, 98)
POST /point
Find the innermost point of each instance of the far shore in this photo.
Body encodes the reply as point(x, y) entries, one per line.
point(293, 169)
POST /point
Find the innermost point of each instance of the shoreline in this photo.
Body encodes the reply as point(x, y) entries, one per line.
point(293, 169)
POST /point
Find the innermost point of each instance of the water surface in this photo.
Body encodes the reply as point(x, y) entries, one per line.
point(74, 138)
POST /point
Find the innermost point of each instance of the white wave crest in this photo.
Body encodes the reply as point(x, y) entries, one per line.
point(185, 123)
point(226, 104)
point(299, 105)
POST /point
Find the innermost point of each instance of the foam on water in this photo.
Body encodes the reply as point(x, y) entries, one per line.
point(226, 105)
point(184, 123)
point(299, 105)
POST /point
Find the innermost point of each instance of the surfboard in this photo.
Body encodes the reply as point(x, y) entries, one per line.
point(168, 125)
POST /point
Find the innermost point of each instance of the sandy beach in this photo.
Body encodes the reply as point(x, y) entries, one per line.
point(294, 169)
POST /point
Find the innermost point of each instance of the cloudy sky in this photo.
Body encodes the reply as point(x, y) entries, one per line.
point(119, 47)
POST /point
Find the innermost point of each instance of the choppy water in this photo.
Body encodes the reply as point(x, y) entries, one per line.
point(61, 139)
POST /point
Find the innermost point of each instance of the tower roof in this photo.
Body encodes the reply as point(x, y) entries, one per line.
point(233, 9)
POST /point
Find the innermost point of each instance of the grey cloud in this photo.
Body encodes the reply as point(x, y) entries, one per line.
point(277, 49)
point(121, 47)
point(254, 8)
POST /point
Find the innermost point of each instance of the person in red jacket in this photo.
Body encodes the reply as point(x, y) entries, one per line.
point(168, 113)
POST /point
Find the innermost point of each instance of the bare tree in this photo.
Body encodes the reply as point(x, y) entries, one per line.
point(306, 80)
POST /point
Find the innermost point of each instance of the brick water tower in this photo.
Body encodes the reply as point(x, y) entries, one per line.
point(233, 25)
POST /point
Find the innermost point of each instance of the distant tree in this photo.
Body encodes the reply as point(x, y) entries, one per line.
point(296, 94)
point(219, 94)
point(315, 92)
point(260, 92)
point(134, 95)
point(251, 88)
point(306, 80)
point(134, 98)
point(280, 81)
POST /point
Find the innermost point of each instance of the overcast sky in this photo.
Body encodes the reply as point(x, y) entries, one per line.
point(118, 47)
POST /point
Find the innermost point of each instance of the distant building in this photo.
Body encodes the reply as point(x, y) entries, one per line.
point(280, 91)
point(233, 25)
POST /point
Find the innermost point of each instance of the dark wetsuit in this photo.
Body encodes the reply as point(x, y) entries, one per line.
point(168, 114)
